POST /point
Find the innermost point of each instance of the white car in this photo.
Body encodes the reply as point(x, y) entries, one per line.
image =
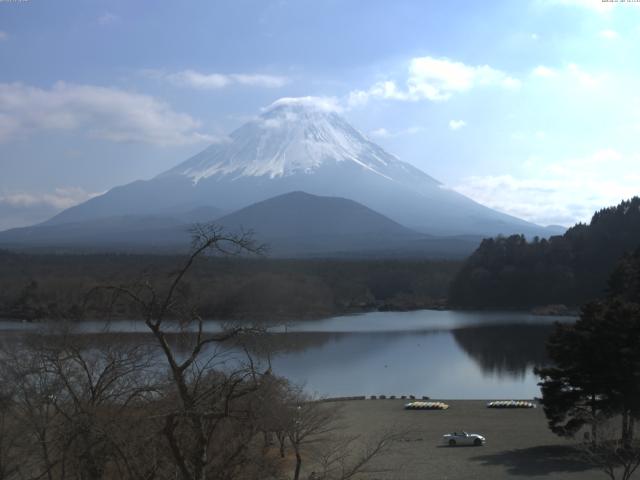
point(463, 438)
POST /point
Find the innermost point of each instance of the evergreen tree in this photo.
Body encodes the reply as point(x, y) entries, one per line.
point(596, 361)
point(571, 269)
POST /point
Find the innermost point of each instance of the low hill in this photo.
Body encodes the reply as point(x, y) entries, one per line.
point(298, 223)
point(299, 214)
point(511, 272)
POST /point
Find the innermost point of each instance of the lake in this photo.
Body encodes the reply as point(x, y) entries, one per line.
point(441, 354)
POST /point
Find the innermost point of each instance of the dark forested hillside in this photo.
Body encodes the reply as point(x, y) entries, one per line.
point(511, 272)
point(35, 286)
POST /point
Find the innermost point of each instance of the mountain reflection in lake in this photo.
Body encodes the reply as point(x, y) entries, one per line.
point(442, 354)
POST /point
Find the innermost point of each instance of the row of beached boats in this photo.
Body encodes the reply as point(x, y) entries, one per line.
point(444, 406)
point(511, 404)
point(426, 406)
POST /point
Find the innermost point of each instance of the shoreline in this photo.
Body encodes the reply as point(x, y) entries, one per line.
point(537, 312)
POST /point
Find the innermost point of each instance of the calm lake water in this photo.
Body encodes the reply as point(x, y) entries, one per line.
point(442, 354)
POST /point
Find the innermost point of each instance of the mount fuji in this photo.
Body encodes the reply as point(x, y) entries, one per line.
point(300, 145)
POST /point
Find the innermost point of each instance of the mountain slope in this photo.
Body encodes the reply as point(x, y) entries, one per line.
point(295, 145)
point(295, 224)
point(122, 232)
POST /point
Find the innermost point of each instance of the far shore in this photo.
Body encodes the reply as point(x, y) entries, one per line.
point(544, 311)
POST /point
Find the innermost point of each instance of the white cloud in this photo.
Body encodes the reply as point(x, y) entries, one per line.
point(259, 80)
point(412, 130)
point(272, 123)
point(438, 79)
point(380, 133)
point(384, 133)
point(584, 78)
point(59, 199)
point(534, 36)
point(609, 34)
point(385, 89)
point(281, 121)
point(214, 81)
point(190, 78)
point(327, 104)
point(3, 35)
point(542, 71)
point(571, 73)
point(456, 124)
point(106, 113)
point(107, 18)
point(562, 193)
point(435, 79)
point(20, 208)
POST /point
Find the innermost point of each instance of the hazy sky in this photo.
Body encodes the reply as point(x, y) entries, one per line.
point(531, 107)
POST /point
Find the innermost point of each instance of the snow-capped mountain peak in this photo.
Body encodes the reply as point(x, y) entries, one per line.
point(291, 136)
point(303, 145)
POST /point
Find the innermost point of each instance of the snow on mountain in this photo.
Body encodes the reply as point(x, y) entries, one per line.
point(293, 136)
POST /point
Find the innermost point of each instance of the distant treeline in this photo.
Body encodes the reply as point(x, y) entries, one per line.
point(569, 269)
point(33, 287)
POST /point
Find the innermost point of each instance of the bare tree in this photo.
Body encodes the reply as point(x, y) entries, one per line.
point(353, 457)
point(193, 404)
point(611, 452)
point(205, 393)
point(309, 422)
point(69, 398)
point(10, 435)
point(31, 405)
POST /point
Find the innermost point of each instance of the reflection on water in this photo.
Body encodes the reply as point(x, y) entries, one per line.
point(400, 363)
point(418, 320)
point(505, 350)
point(442, 354)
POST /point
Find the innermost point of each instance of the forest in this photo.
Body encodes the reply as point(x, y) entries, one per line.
point(35, 286)
point(514, 273)
point(503, 273)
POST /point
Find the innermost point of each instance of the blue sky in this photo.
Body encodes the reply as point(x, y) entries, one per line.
point(531, 107)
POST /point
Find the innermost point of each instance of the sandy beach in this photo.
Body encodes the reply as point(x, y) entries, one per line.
point(519, 444)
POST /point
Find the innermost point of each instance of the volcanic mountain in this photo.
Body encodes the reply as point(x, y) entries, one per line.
point(297, 145)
